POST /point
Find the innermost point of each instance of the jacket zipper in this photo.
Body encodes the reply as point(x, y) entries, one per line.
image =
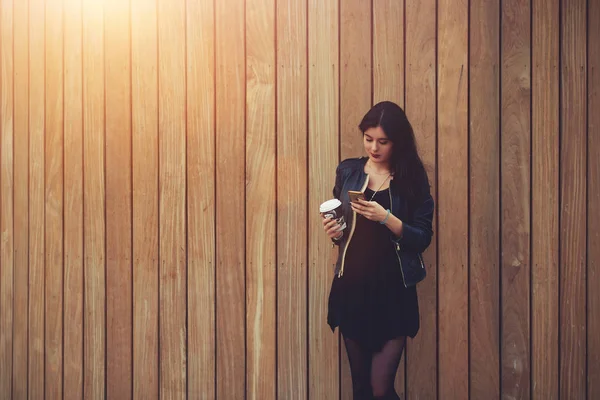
point(397, 244)
point(341, 272)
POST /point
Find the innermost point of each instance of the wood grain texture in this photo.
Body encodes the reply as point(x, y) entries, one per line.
point(53, 200)
point(453, 240)
point(201, 198)
point(292, 214)
point(323, 108)
point(484, 243)
point(7, 271)
point(388, 51)
point(593, 211)
point(144, 131)
point(573, 194)
point(172, 190)
point(231, 198)
point(36, 200)
point(94, 209)
point(260, 200)
point(544, 192)
point(421, 353)
point(255, 99)
point(73, 202)
point(515, 198)
point(21, 200)
point(355, 100)
point(119, 285)
point(356, 23)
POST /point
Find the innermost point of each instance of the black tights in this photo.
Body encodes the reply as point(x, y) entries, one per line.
point(373, 374)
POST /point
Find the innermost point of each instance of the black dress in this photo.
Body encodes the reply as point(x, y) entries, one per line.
point(370, 303)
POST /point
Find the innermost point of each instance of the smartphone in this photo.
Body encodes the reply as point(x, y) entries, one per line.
point(355, 195)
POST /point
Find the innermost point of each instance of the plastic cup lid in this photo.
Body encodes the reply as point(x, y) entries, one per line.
point(329, 205)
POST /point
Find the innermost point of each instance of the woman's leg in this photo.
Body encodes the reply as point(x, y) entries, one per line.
point(384, 367)
point(360, 367)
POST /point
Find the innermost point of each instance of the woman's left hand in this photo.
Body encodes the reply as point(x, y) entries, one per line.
point(371, 210)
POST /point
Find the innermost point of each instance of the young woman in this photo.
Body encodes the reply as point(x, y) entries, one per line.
point(373, 297)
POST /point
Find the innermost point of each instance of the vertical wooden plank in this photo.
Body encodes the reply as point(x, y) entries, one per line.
point(573, 164)
point(73, 202)
point(201, 198)
point(544, 229)
point(144, 130)
point(119, 284)
point(6, 201)
point(260, 200)
point(36, 199)
point(94, 209)
point(355, 73)
point(21, 202)
point(323, 108)
point(355, 100)
point(421, 353)
point(484, 94)
point(593, 180)
point(231, 197)
point(515, 198)
point(172, 186)
point(388, 51)
point(292, 167)
point(54, 200)
point(453, 190)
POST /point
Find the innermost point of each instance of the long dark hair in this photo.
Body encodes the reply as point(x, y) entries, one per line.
point(407, 167)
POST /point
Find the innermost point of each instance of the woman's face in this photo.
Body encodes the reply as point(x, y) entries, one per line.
point(378, 146)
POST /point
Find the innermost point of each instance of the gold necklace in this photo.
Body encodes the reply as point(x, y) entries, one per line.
point(376, 173)
point(384, 181)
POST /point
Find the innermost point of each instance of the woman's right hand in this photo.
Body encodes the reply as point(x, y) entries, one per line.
point(331, 228)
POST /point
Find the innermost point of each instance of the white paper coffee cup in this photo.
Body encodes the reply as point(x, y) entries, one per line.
point(333, 209)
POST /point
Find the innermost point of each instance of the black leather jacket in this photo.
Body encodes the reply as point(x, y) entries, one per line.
point(416, 220)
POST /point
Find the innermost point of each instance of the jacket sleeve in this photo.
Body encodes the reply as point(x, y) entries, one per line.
point(337, 190)
point(417, 234)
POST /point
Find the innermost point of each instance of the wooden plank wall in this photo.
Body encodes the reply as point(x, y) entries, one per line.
point(162, 162)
